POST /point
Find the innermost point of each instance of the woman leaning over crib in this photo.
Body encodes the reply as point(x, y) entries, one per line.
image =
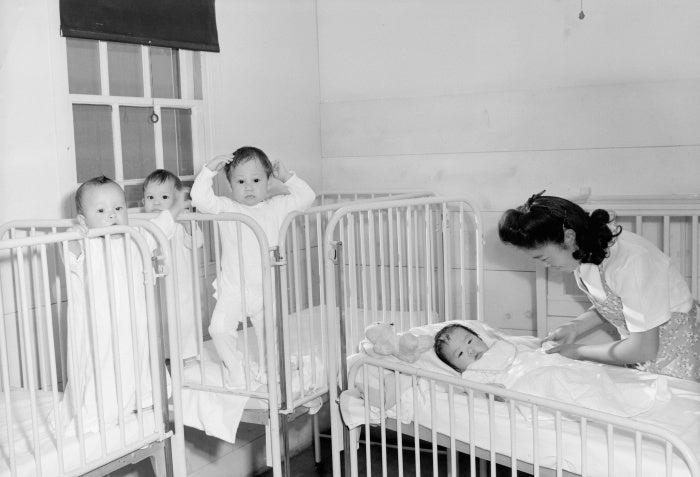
point(629, 281)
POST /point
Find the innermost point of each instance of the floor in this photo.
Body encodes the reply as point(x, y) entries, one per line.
point(303, 464)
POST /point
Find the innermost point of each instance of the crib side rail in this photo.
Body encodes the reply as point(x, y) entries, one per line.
point(303, 320)
point(537, 435)
point(407, 262)
point(42, 431)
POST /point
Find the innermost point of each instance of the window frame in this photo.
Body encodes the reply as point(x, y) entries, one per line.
point(187, 101)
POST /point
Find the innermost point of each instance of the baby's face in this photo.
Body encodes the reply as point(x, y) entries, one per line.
point(463, 348)
point(158, 197)
point(249, 182)
point(103, 205)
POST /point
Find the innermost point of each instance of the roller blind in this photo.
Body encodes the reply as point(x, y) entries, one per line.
point(187, 24)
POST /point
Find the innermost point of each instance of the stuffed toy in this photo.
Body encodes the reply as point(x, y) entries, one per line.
point(405, 346)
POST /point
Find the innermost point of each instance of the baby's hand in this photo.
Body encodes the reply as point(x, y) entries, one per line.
point(76, 246)
point(217, 164)
point(279, 171)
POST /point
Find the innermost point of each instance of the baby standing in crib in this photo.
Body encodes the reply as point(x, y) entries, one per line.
point(247, 170)
point(164, 192)
point(629, 281)
point(106, 292)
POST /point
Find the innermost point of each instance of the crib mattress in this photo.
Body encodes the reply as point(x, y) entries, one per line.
point(48, 455)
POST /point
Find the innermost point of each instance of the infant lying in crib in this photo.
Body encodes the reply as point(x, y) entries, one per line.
point(519, 363)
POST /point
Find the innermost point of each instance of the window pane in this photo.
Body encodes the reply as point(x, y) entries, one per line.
point(134, 195)
point(197, 72)
point(138, 142)
point(125, 71)
point(177, 140)
point(165, 73)
point(83, 66)
point(94, 151)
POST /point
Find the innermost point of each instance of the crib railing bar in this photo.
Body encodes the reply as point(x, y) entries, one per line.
point(429, 305)
point(694, 256)
point(310, 318)
point(399, 434)
point(416, 428)
point(666, 235)
point(70, 353)
point(7, 394)
point(433, 426)
point(584, 446)
point(392, 259)
point(115, 335)
point(368, 441)
point(20, 329)
point(638, 454)
point(559, 446)
point(382, 428)
point(296, 263)
point(513, 441)
point(611, 449)
point(95, 345)
point(61, 315)
point(472, 444)
point(402, 247)
point(139, 352)
point(382, 265)
point(453, 440)
point(48, 317)
point(38, 323)
point(492, 433)
point(446, 264)
point(30, 366)
point(373, 262)
point(535, 440)
point(197, 299)
point(362, 269)
point(462, 265)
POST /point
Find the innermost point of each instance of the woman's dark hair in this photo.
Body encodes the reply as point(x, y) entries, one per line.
point(245, 154)
point(543, 219)
point(443, 337)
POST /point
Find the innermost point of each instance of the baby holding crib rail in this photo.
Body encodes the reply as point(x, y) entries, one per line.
point(519, 363)
point(164, 192)
point(239, 291)
point(108, 365)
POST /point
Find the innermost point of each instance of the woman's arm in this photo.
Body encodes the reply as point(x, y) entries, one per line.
point(637, 348)
point(568, 332)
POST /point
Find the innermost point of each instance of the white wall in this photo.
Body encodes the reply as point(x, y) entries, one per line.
point(35, 164)
point(501, 99)
point(264, 85)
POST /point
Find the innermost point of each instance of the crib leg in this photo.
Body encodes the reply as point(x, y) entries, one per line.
point(317, 440)
point(483, 467)
point(159, 462)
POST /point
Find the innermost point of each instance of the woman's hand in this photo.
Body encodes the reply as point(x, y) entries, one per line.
point(571, 351)
point(565, 334)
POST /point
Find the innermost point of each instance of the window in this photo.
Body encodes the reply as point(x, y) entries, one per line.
point(135, 109)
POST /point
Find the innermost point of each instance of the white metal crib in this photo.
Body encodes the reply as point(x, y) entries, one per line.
point(524, 432)
point(41, 433)
point(407, 262)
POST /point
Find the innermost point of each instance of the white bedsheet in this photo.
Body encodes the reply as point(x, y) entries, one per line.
point(219, 414)
point(23, 437)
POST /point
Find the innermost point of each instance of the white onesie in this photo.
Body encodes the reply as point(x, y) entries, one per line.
point(236, 298)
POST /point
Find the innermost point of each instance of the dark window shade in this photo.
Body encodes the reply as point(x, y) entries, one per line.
point(187, 24)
